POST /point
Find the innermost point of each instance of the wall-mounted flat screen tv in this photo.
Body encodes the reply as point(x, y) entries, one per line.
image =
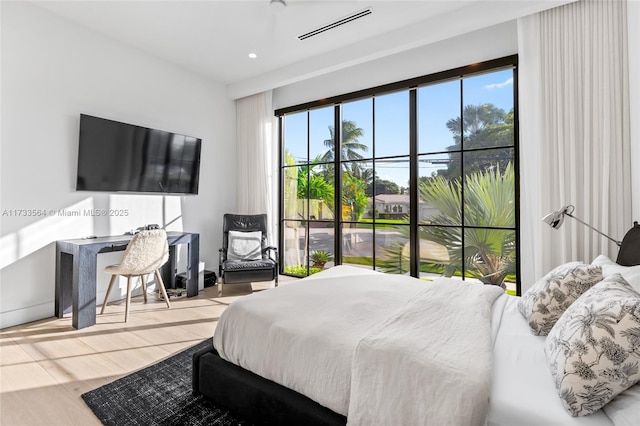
point(120, 157)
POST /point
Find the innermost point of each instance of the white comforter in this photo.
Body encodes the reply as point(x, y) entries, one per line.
point(429, 362)
point(304, 336)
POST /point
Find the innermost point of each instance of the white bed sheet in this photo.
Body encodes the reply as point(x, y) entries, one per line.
point(522, 390)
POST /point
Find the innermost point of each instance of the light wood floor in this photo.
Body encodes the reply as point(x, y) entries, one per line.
point(46, 365)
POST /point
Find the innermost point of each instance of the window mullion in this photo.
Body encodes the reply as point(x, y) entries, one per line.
point(337, 190)
point(308, 201)
point(463, 265)
point(373, 167)
point(281, 217)
point(414, 237)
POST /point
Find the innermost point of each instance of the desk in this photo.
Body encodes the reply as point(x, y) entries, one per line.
point(76, 262)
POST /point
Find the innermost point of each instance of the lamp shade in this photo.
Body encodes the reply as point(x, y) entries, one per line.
point(556, 219)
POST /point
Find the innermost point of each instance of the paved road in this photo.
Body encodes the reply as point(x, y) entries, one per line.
point(356, 242)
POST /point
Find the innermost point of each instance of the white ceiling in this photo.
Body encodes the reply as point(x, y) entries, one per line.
point(213, 38)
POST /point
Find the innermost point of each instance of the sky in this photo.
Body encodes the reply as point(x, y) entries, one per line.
point(437, 103)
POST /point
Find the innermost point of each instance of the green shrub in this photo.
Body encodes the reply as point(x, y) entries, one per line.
point(300, 270)
point(319, 258)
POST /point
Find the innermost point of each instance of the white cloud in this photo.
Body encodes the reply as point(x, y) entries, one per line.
point(507, 82)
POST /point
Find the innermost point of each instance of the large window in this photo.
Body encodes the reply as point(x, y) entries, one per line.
point(422, 180)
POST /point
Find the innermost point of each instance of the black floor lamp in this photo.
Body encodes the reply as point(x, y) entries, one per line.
point(556, 219)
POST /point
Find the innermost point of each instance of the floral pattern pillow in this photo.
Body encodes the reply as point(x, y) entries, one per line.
point(594, 349)
point(544, 303)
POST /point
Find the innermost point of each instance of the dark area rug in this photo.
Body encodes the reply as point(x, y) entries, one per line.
point(157, 395)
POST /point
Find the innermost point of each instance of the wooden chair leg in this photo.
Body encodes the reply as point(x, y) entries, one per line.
point(162, 289)
point(106, 297)
point(126, 309)
point(220, 288)
point(144, 288)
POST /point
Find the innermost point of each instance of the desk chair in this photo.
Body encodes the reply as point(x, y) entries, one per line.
point(145, 254)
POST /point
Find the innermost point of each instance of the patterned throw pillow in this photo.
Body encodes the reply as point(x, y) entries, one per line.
point(594, 349)
point(547, 299)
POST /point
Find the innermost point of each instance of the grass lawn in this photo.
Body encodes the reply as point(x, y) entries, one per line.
point(380, 223)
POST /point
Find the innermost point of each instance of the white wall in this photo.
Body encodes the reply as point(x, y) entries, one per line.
point(53, 70)
point(477, 46)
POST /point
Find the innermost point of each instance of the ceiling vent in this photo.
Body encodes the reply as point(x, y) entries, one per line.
point(336, 24)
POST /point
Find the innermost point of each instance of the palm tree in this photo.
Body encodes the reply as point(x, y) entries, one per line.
point(396, 258)
point(349, 145)
point(487, 253)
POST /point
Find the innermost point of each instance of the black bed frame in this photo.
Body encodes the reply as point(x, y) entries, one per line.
point(254, 398)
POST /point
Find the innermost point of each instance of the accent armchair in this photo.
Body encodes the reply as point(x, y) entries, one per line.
point(245, 255)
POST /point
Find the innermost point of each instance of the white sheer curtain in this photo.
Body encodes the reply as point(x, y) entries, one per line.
point(574, 132)
point(256, 153)
point(633, 18)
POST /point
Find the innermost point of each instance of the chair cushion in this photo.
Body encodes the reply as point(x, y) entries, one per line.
point(234, 265)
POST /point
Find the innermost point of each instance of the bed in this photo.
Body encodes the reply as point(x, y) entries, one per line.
point(339, 347)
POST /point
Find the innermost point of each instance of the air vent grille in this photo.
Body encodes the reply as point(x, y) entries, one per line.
point(339, 22)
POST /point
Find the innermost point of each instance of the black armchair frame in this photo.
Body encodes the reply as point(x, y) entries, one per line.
point(244, 271)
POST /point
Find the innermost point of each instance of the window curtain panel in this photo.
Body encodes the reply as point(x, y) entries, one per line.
point(633, 18)
point(255, 155)
point(574, 132)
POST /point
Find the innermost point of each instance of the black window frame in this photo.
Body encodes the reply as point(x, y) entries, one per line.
point(412, 85)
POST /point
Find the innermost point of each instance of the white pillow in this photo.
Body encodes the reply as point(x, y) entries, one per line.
point(593, 348)
point(244, 245)
point(624, 409)
point(548, 298)
point(631, 274)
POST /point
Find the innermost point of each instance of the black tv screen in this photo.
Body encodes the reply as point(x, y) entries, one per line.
point(120, 157)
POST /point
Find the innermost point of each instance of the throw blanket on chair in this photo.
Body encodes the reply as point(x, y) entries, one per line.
point(429, 362)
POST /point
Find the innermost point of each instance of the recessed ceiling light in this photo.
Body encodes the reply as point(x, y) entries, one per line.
point(253, 55)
